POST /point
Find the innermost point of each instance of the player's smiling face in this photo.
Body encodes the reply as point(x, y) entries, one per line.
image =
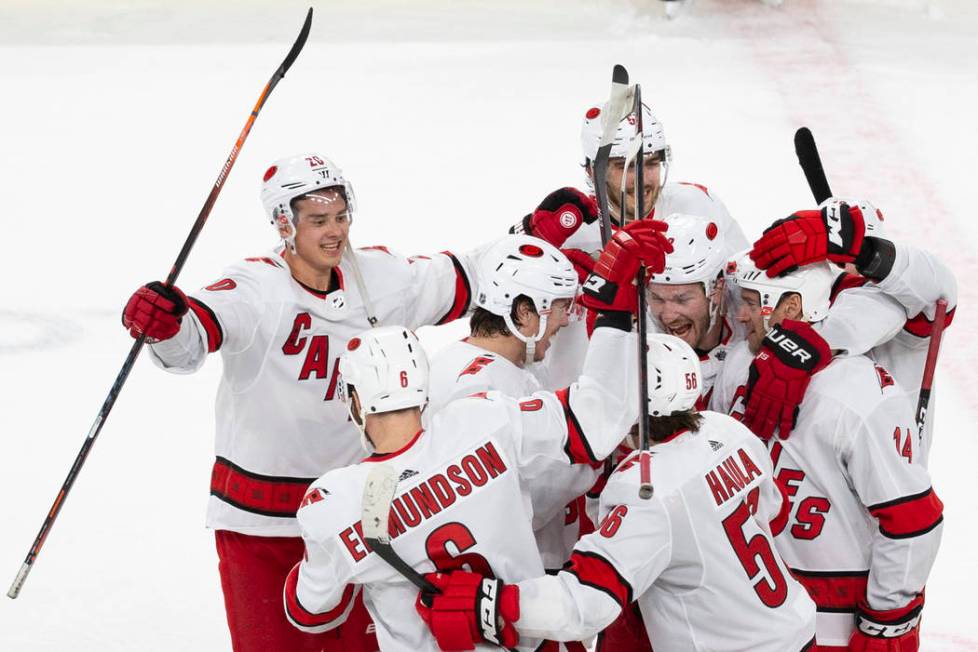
point(682, 310)
point(751, 314)
point(323, 226)
point(557, 318)
point(616, 169)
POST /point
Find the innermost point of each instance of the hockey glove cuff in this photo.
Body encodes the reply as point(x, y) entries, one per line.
point(470, 609)
point(894, 630)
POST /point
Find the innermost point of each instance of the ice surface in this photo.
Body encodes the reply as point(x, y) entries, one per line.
point(452, 120)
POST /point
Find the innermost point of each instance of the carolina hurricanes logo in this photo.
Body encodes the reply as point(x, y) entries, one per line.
point(476, 366)
point(314, 496)
point(884, 377)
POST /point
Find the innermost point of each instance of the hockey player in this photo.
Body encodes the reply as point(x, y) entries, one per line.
point(864, 524)
point(568, 218)
point(852, 233)
point(688, 299)
point(698, 558)
point(280, 322)
point(527, 288)
point(462, 498)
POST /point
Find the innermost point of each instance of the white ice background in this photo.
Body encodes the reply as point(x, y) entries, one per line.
point(452, 119)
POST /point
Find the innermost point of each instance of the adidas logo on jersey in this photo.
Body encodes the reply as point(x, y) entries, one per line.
point(407, 473)
point(715, 445)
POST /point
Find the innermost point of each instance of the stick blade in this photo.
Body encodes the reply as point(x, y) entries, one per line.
point(300, 42)
point(378, 492)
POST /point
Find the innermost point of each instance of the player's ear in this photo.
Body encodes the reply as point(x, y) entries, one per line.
point(793, 307)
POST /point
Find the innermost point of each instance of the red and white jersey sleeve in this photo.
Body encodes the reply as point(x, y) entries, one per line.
point(702, 543)
point(864, 520)
point(279, 421)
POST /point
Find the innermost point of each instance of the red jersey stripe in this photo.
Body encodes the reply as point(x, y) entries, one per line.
point(207, 318)
point(463, 293)
point(909, 516)
point(834, 591)
point(597, 572)
point(302, 616)
point(577, 448)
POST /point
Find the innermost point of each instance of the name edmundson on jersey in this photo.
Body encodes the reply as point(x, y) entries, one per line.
point(437, 492)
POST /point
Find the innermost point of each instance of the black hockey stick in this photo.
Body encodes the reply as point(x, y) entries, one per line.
point(613, 114)
point(137, 346)
point(811, 164)
point(378, 494)
point(645, 466)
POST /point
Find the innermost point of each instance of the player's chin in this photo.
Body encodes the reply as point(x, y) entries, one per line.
point(331, 254)
point(754, 340)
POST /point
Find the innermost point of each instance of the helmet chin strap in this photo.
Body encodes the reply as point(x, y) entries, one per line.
point(531, 342)
point(365, 442)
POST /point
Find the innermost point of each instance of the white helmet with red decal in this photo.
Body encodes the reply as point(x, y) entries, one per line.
point(698, 256)
point(812, 282)
point(294, 177)
point(653, 142)
point(674, 375)
point(523, 265)
point(388, 369)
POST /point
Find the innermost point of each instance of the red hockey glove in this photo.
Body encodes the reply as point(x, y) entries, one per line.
point(792, 352)
point(582, 261)
point(558, 216)
point(470, 609)
point(834, 233)
point(611, 286)
point(156, 310)
point(896, 630)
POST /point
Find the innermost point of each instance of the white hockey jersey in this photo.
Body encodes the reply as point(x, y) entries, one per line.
point(463, 369)
point(280, 424)
point(864, 521)
point(897, 340)
point(563, 363)
point(462, 499)
point(698, 557)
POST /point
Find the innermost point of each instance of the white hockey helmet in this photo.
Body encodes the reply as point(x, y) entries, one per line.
point(523, 265)
point(698, 256)
point(872, 216)
point(290, 178)
point(653, 142)
point(813, 282)
point(674, 375)
point(388, 369)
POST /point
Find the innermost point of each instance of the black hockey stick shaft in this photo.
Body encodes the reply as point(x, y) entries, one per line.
point(619, 80)
point(811, 164)
point(645, 469)
point(137, 346)
point(386, 552)
point(937, 331)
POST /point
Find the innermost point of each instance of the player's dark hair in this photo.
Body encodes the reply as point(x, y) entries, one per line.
point(483, 323)
point(662, 427)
